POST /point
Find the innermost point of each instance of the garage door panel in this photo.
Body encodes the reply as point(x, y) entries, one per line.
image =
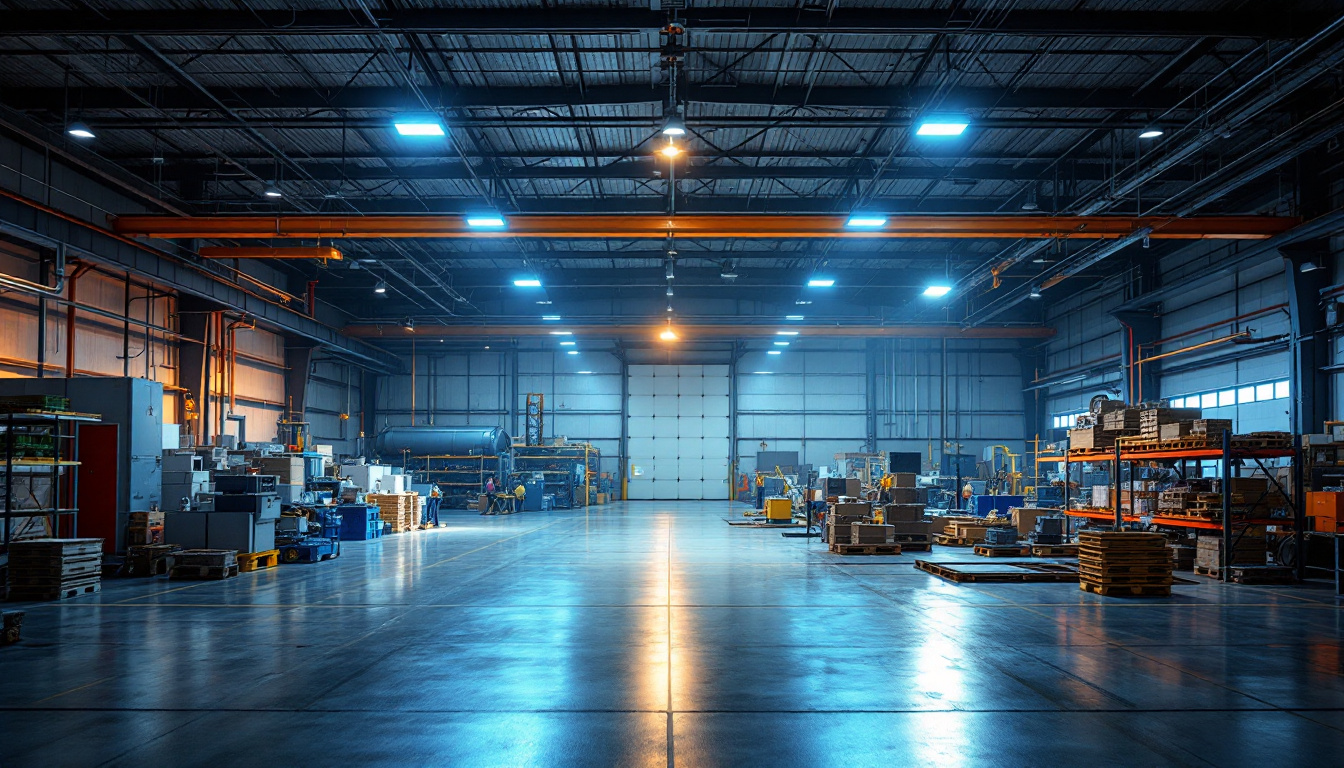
point(678, 426)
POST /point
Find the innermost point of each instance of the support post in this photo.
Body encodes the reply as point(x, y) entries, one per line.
point(1309, 344)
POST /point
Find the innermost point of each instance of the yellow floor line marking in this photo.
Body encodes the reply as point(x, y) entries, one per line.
point(72, 690)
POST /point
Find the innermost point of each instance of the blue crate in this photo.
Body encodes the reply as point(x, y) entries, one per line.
point(309, 550)
point(359, 522)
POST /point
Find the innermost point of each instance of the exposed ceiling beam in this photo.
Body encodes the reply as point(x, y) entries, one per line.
point(590, 226)
point(391, 98)
point(393, 331)
point(645, 169)
point(1256, 21)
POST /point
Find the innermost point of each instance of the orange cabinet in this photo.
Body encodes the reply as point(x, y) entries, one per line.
point(1327, 507)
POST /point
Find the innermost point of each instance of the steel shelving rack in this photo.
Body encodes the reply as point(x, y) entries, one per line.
point(1127, 451)
point(55, 434)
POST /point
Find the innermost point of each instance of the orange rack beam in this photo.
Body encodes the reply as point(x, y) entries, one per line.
point(1174, 522)
point(704, 226)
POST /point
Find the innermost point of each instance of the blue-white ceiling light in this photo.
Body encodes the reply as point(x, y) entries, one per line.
point(527, 282)
point(942, 126)
point(774, 352)
point(866, 221)
point(567, 343)
point(1150, 133)
point(272, 192)
point(935, 291)
point(786, 333)
point(419, 125)
point(486, 221)
point(820, 282)
point(572, 352)
point(550, 317)
point(674, 126)
point(793, 317)
point(79, 130)
point(781, 343)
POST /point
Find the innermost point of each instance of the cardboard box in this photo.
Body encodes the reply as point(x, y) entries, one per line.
point(1091, 439)
point(1024, 518)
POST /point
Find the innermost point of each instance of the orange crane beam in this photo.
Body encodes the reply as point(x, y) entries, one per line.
point(1010, 226)
point(245, 252)
point(691, 332)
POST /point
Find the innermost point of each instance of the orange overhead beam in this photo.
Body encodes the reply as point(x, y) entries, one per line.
point(323, 252)
point(691, 332)
point(707, 226)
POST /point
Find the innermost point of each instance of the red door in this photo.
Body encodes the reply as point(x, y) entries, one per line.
point(97, 497)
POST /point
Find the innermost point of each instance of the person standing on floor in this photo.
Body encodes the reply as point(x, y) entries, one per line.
point(432, 506)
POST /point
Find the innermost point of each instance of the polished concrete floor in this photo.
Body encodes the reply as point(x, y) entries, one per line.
point(652, 633)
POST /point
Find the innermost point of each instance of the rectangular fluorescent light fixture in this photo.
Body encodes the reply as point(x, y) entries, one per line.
point(485, 220)
point(937, 290)
point(762, 373)
point(527, 283)
point(566, 343)
point(793, 317)
point(774, 352)
point(572, 352)
point(585, 373)
point(421, 125)
point(820, 282)
point(942, 127)
point(786, 333)
point(550, 317)
point(865, 220)
point(802, 302)
point(562, 333)
point(781, 343)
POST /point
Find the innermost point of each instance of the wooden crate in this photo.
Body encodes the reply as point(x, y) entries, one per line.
point(1215, 427)
point(1175, 430)
point(1123, 420)
point(401, 510)
point(1151, 419)
point(871, 533)
point(1091, 439)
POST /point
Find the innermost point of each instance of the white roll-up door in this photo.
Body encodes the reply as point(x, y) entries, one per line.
point(678, 432)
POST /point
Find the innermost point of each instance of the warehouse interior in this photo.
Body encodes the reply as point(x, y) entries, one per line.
point(658, 382)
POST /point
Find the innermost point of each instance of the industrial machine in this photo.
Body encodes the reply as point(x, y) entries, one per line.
point(458, 459)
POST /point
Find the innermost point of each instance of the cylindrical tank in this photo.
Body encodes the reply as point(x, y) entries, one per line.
point(394, 442)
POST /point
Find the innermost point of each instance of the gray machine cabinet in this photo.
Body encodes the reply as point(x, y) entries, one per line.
point(136, 406)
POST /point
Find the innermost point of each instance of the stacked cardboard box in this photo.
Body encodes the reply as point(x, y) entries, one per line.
point(54, 569)
point(1175, 430)
point(1123, 563)
point(1248, 548)
point(144, 528)
point(399, 509)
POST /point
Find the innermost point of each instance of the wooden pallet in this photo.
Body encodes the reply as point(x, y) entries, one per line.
point(209, 572)
point(1125, 590)
point(255, 561)
point(1118, 570)
point(865, 549)
point(966, 573)
point(1001, 550)
point(916, 546)
point(61, 592)
point(1054, 550)
point(954, 541)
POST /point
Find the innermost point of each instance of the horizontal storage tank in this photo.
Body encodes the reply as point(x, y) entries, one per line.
point(394, 442)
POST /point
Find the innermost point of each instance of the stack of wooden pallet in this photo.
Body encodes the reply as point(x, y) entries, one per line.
point(962, 534)
point(398, 509)
point(1152, 419)
point(1124, 563)
point(868, 539)
point(1124, 421)
point(1091, 439)
point(1213, 428)
point(54, 569)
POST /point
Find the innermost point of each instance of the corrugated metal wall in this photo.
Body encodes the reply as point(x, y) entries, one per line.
point(1089, 337)
point(810, 400)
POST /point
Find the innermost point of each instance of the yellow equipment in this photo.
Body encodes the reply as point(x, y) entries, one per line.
point(778, 509)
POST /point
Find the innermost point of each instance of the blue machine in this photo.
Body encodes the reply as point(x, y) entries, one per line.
point(359, 522)
point(983, 505)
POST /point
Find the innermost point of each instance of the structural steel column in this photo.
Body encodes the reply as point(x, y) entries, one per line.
point(1309, 345)
point(1138, 382)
